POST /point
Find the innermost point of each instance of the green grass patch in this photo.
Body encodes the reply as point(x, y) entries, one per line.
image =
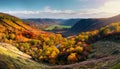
point(116, 66)
point(53, 27)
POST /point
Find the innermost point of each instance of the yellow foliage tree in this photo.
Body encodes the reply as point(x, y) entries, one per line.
point(72, 57)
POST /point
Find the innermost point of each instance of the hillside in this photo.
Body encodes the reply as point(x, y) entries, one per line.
point(103, 56)
point(44, 24)
point(67, 22)
point(105, 43)
point(12, 58)
point(70, 22)
point(81, 51)
point(91, 24)
point(105, 52)
point(43, 21)
point(11, 22)
point(13, 25)
point(42, 46)
point(9, 54)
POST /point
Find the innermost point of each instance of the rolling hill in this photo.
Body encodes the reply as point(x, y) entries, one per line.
point(45, 23)
point(67, 22)
point(70, 22)
point(91, 24)
point(42, 24)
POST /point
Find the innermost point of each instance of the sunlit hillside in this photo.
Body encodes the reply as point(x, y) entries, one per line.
point(42, 46)
point(12, 58)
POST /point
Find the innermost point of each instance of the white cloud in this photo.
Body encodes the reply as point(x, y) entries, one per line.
point(47, 9)
point(110, 8)
point(113, 6)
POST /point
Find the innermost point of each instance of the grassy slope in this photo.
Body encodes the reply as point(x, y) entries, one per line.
point(12, 58)
point(107, 49)
point(60, 26)
point(117, 66)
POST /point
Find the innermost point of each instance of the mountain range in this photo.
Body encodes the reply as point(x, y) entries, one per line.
point(77, 25)
point(68, 22)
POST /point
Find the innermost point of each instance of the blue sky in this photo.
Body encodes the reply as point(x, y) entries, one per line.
point(60, 8)
point(40, 4)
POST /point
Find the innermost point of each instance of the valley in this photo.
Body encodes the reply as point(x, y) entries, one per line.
point(51, 24)
point(59, 34)
point(87, 43)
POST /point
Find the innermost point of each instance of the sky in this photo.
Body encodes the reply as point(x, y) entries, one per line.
point(61, 8)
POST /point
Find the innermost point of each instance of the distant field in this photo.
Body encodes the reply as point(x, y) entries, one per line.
point(58, 26)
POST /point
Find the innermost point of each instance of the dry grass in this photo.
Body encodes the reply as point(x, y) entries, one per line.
point(12, 58)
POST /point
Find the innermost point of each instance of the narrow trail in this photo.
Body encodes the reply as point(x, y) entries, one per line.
point(92, 61)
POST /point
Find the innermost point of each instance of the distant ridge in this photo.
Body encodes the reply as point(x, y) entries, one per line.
point(91, 24)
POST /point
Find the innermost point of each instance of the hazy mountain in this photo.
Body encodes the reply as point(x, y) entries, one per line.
point(46, 23)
